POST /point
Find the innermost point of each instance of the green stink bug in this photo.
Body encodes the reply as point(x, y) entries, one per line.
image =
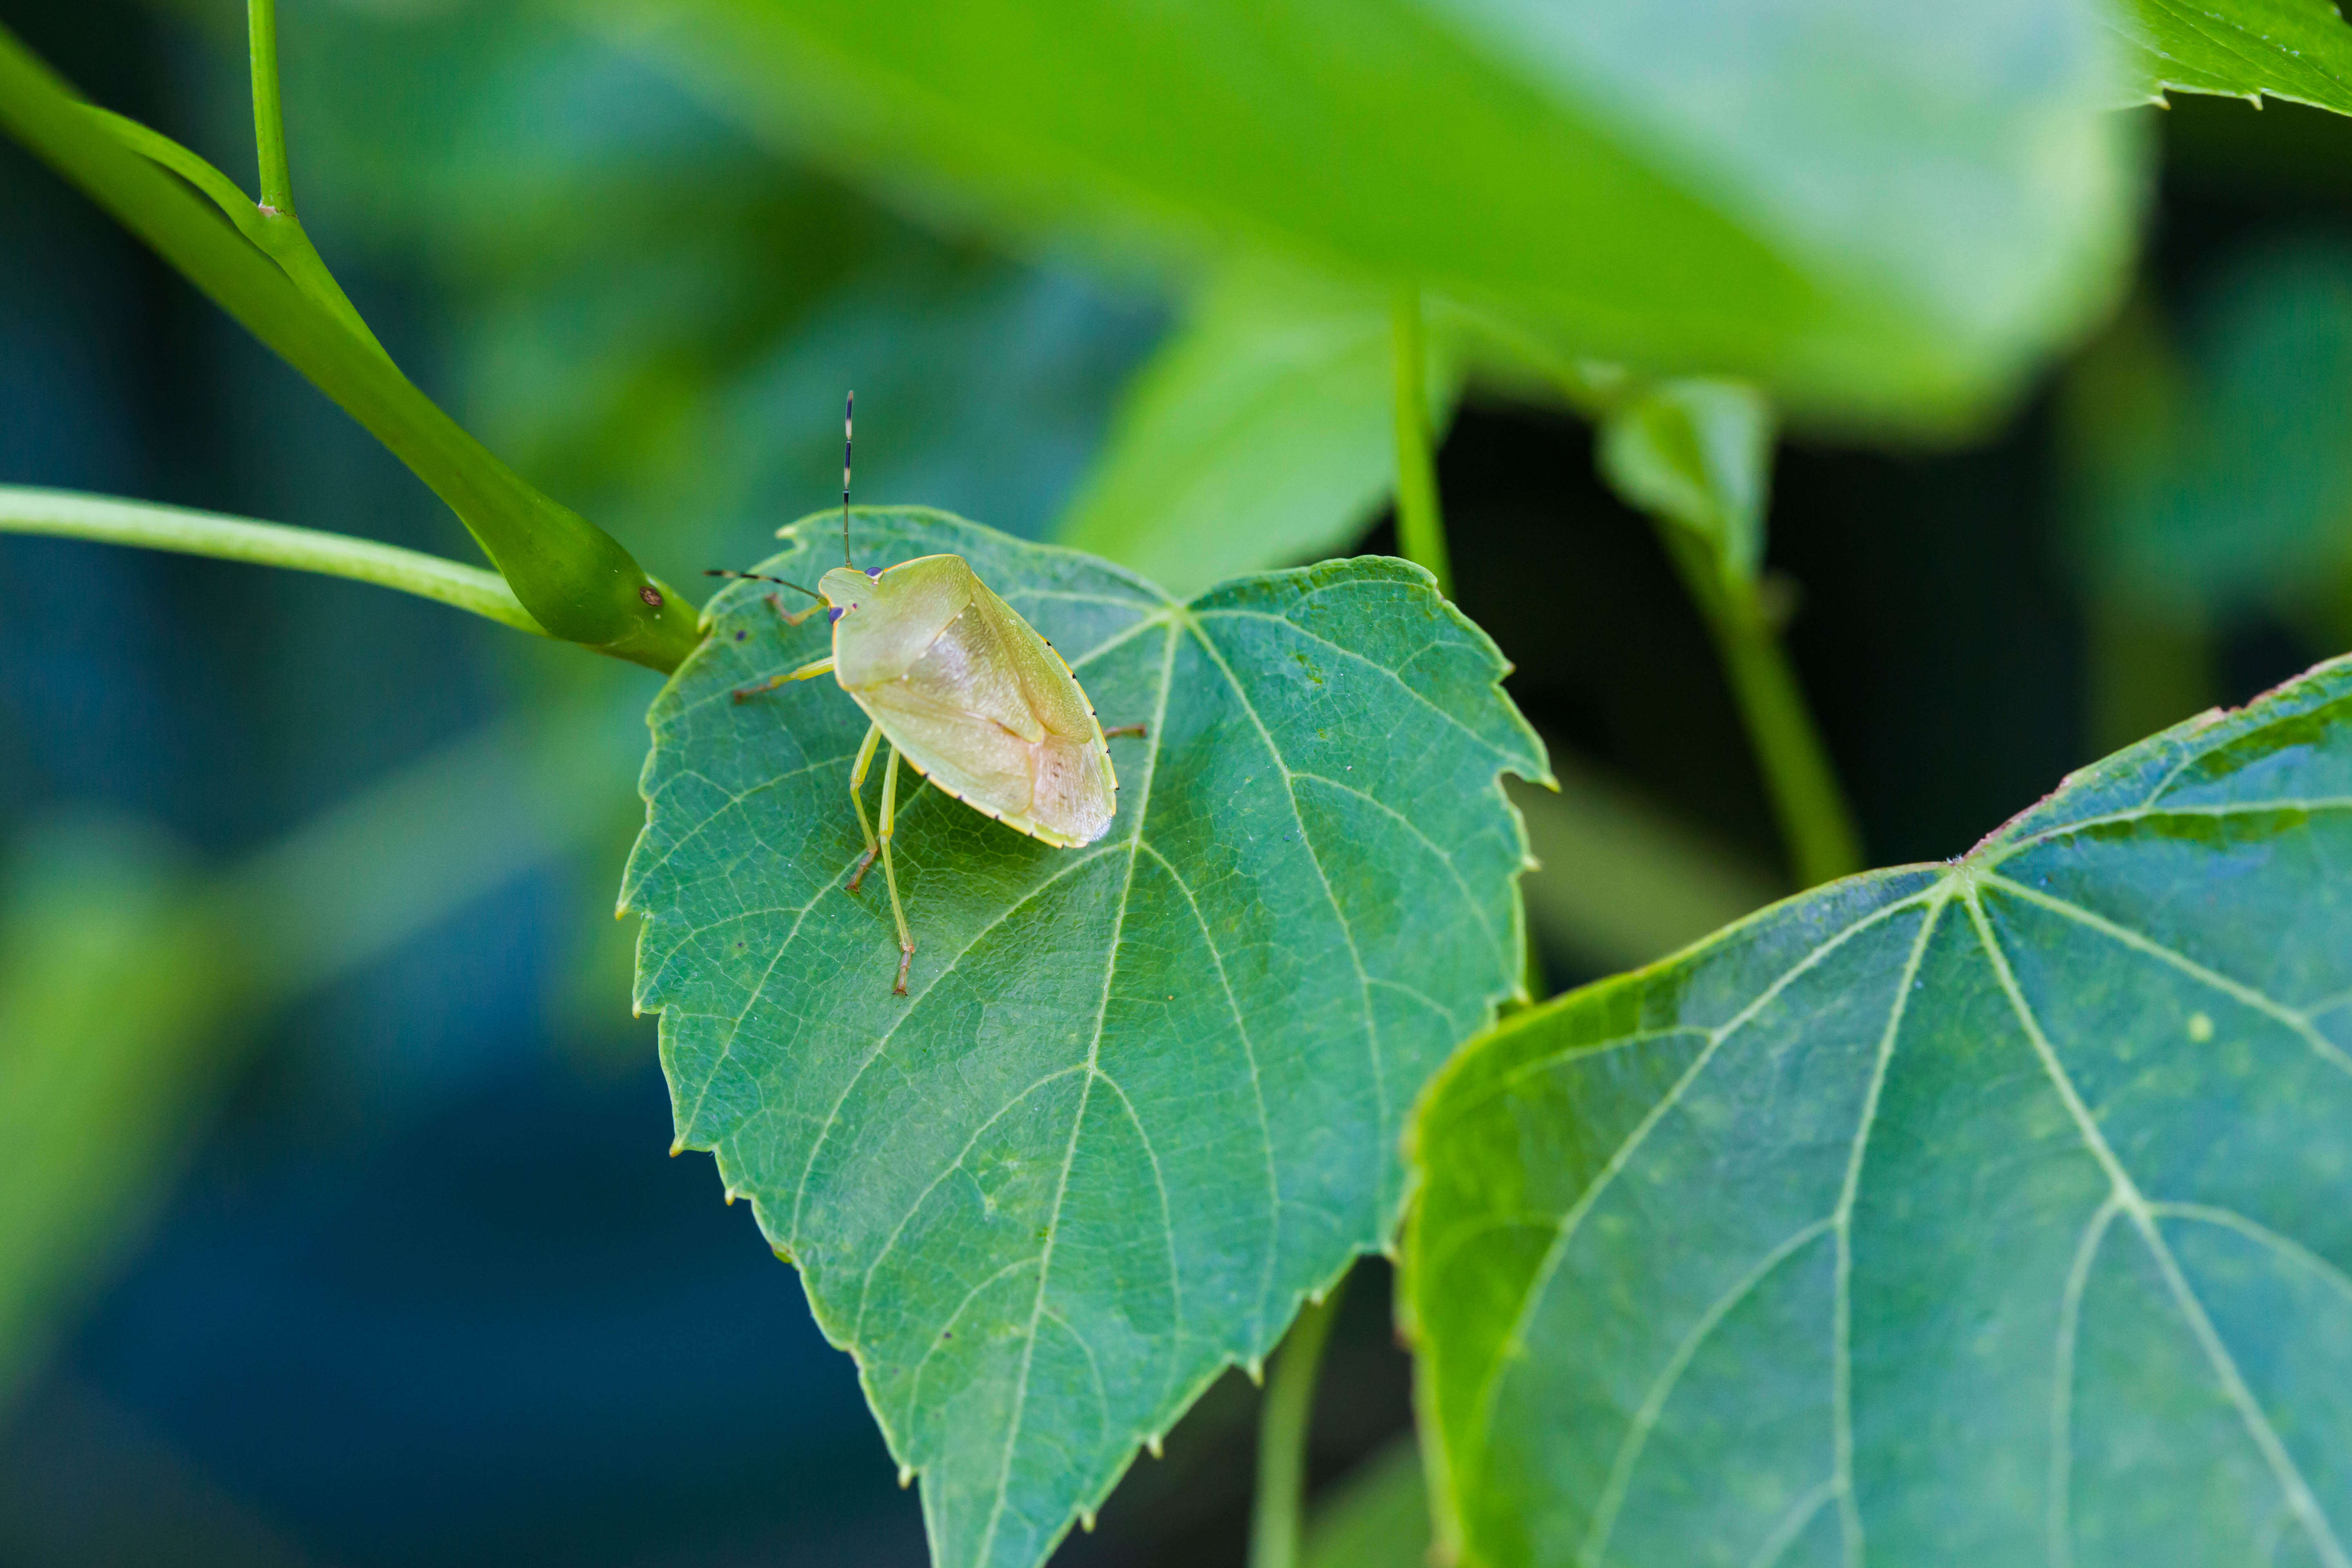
point(965, 690)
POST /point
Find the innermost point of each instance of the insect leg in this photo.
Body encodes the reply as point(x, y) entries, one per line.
point(794, 617)
point(1139, 731)
point(889, 873)
point(857, 799)
point(805, 672)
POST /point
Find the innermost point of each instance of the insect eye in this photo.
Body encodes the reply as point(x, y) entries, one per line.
point(874, 571)
point(836, 615)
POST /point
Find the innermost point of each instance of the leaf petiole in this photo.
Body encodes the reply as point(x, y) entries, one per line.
point(1421, 525)
point(69, 514)
point(269, 114)
point(1282, 1432)
point(1815, 822)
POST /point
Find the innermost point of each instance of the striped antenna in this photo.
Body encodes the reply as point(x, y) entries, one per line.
point(847, 409)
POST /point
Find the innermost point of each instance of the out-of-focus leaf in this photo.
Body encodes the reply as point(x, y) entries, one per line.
point(1699, 455)
point(2299, 51)
point(112, 986)
point(1884, 213)
point(1377, 1518)
point(129, 983)
point(1618, 882)
point(2222, 478)
point(1144, 1095)
point(1262, 433)
point(1986, 1212)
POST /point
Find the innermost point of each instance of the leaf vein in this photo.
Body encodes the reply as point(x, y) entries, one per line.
point(1257, 1094)
point(1653, 1400)
point(2237, 990)
point(833, 1117)
point(1514, 1343)
point(2283, 1470)
point(1330, 894)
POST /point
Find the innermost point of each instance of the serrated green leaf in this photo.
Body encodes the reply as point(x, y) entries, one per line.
point(2299, 51)
point(1699, 455)
point(1143, 1095)
point(1262, 433)
point(1882, 213)
point(1988, 1212)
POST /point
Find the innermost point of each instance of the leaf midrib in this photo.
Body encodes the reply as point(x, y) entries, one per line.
point(1077, 1126)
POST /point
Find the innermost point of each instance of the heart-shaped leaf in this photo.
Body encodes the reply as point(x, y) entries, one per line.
point(1991, 1212)
point(1144, 1095)
point(2299, 51)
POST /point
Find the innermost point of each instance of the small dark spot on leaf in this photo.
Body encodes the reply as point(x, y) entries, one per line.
point(651, 595)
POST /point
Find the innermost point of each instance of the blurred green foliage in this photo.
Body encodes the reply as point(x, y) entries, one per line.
point(132, 978)
point(2214, 474)
point(1883, 216)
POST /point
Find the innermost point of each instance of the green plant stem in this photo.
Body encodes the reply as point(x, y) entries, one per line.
point(1420, 526)
point(67, 514)
point(1277, 1519)
point(269, 115)
point(574, 578)
point(1815, 822)
point(279, 234)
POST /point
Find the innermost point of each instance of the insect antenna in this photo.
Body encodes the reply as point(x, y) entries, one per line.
point(759, 577)
point(847, 409)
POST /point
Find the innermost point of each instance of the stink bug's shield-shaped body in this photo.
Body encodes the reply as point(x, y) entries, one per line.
point(967, 691)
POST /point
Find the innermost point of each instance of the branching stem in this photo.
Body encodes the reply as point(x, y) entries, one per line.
point(1420, 526)
point(70, 515)
point(1282, 1431)
point(1815, 822)
point(576, 579)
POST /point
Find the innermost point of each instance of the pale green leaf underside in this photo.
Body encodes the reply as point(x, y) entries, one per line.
point(1143, 1095)
point(2299, 51)
point(1882, 213)
point(1262, 433)
point(1994, 1211)
point(1699, 454)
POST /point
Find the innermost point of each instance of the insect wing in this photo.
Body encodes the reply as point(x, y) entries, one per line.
point(1075, 790)
point(972, 758)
